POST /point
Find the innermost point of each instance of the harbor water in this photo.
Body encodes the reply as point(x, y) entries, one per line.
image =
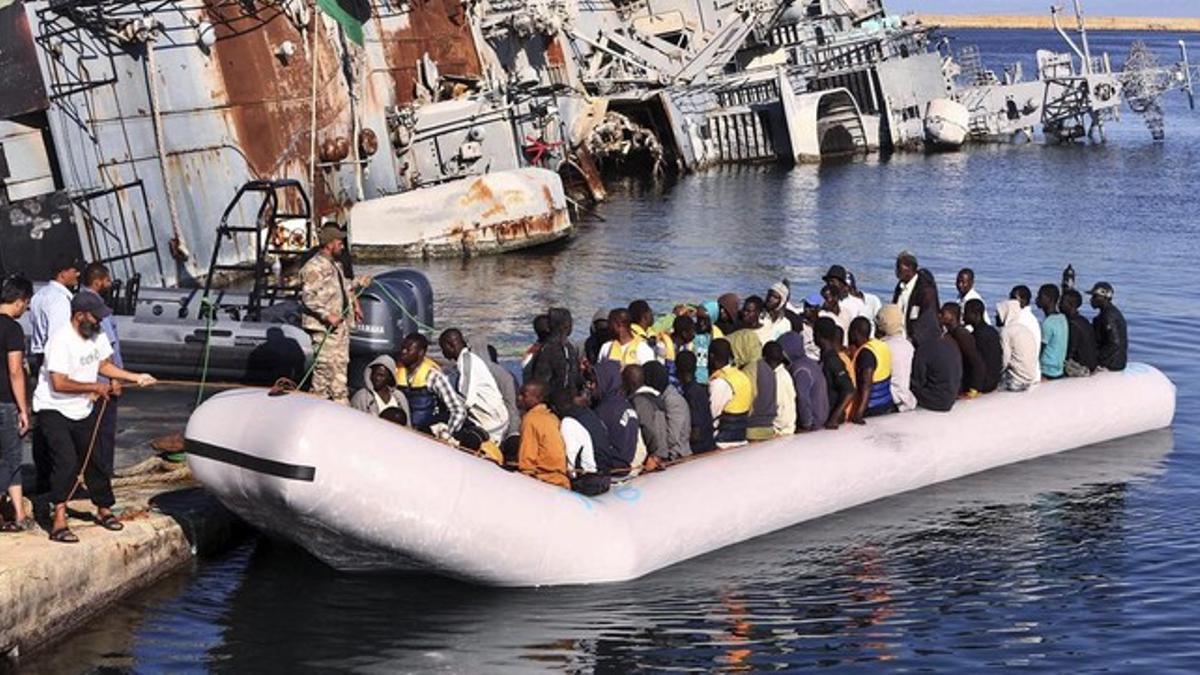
point(1084, 561)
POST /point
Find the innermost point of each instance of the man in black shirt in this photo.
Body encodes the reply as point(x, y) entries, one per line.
point(828, 337)
point(987, 344)
point(1112, 340)
point(15, 293)
point(973, 368)
point(937, 369)
point(1082, 357)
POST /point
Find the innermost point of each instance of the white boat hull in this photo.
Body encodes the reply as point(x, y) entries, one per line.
point(947, 123)
point(364, 495)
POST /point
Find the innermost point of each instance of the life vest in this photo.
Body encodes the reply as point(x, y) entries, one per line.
point(735, 416)
point(424, 408)
point(661, 343)
point(625, 354)
point(848, 363)
point(881, 385)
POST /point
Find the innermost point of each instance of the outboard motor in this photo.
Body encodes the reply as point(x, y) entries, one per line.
point(397, 302)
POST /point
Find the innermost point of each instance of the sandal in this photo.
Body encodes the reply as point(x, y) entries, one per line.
point(12, 526)
point(64, 536)
point(110, 523)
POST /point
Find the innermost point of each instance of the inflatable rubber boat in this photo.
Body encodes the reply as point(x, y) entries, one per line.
point(362, 494)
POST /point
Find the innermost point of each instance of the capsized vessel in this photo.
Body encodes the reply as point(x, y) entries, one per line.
point(364, 495)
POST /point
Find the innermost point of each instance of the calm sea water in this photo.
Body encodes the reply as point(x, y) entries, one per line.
point(1084, 561)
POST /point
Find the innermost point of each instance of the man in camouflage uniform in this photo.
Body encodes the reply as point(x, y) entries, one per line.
point(329, 305)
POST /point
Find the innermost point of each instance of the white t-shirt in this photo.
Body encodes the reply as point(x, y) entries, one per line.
point(79, 359)
point(578, 443)
point(642, 354)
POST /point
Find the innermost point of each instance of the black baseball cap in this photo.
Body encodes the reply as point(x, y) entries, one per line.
point(835, 272)
point(86, 301)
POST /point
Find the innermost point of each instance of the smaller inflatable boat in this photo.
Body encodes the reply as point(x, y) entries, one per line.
point(362, 494)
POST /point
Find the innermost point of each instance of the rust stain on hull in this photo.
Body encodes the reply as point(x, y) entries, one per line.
point(269, 101)
point(437, 27)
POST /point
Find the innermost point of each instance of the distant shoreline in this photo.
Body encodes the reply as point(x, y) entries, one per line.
point(1007, 21)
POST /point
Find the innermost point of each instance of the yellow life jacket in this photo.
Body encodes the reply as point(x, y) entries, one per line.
point(626, 354)
point(420, 376)
point(663, 344)
point(880, 396)
point(743, 392)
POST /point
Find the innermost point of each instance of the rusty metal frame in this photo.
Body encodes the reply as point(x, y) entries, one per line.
point(123, 239)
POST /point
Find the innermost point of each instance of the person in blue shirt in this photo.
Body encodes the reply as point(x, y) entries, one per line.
point(1055, 333)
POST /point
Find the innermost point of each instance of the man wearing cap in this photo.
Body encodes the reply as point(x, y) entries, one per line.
point(64, 402)
point(850, 306)
point(328, 301)
point(1112, 339)
point(97, 281)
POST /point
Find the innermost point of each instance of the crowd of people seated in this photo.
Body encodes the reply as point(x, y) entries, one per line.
point(646, 391)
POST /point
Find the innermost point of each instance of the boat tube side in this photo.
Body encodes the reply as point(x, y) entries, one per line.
point(362, 494)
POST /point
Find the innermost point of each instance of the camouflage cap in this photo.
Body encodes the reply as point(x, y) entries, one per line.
point(330, 232)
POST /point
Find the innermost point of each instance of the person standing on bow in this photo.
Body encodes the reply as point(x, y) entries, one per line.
point(328, 300)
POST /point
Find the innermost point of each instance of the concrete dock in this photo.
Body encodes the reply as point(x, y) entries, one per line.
point(47, 588)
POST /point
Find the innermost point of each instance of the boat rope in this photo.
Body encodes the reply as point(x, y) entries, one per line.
point(207, 308)
point(90, 449)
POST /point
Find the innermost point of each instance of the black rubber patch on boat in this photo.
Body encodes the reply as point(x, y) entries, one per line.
point(267, 466)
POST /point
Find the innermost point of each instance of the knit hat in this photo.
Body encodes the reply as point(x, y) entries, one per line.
point(890, 320)
point(781, 289)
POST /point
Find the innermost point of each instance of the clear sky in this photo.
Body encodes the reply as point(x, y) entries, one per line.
point(1091, 7)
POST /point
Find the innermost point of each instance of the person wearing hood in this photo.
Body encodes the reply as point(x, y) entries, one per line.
point(620, 419)
point(589, 451)
point(937, 368)
point(747, 357)
point(812, 397)
point(379, 388)
point(785, 390)
point(1020, 348)
point(729, 307)
point(477, 386)
point(651, 414)
point(700, 438)
point(775, 316)
point(678, 416)
point(889, 326)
